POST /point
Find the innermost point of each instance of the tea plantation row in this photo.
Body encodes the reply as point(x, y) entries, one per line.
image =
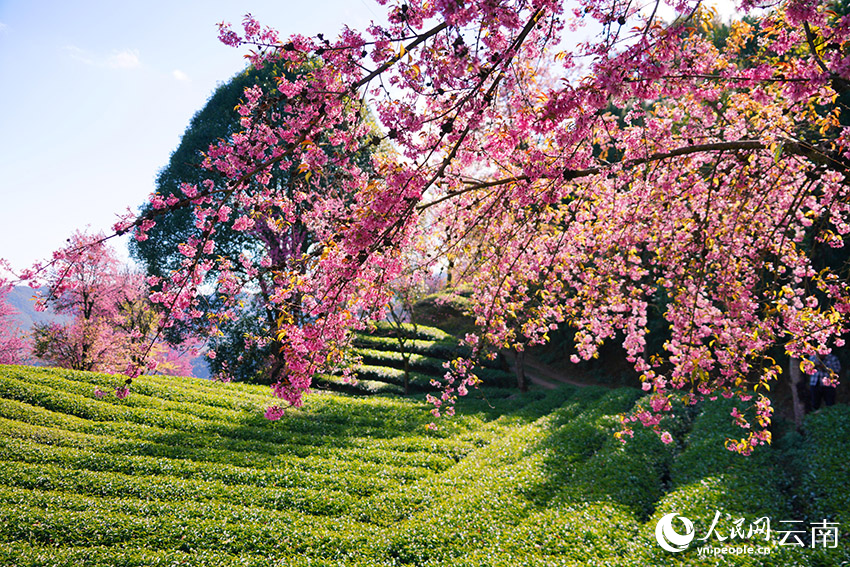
point(378, 361)
point(188, 472)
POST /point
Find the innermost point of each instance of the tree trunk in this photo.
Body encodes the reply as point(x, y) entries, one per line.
point(406, 358)
point(519, 359)
point(795, 376)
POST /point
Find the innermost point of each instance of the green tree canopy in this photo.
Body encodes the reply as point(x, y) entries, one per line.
point(242, 347)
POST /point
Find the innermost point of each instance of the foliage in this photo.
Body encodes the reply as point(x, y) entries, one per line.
point(443, 348)
point(824, 470)
point(391, 358)
point(113, 325)
point(14, 347)
point(414, 331)
point(379, 361)
point(657, 165)
point(448, 310)
point(186, 471)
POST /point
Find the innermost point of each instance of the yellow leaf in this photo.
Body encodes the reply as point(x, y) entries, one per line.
point(776, 148)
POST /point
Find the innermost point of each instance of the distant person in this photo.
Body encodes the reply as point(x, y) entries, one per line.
point(825, 367)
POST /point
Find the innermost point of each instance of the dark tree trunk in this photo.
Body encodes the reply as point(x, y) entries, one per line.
point(519, 359)
point(406, 358)
point(795, 376)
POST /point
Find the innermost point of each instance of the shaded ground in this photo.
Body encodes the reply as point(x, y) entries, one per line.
point(547, 376)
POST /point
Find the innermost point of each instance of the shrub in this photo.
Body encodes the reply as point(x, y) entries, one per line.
point(706, 479)
point(534, 479)
point(824, 473)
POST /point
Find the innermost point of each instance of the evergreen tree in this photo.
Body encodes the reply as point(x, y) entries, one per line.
point(240, 346)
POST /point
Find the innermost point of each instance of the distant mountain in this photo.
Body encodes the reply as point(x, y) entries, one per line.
point(21, 298)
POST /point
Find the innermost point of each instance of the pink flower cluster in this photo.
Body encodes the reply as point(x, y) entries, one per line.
point(691, 201)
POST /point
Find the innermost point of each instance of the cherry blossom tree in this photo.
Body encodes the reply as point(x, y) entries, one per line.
point(137, 323)
point(657, 164)
point(14, 347)
point(81, 284)
point(113, 327)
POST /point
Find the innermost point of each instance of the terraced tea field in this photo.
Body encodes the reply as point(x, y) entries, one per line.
point(380, 368)
point(188, 472)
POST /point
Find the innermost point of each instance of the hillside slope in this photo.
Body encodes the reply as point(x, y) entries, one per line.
point(378, 361)
point(21, 299)
point(188, 472)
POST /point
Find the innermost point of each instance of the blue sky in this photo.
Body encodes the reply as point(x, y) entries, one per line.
point(96, 95)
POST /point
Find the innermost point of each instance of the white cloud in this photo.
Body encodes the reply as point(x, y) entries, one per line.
point(180, 76)
point(4, 27)
point(125, 59)
point(78, 54)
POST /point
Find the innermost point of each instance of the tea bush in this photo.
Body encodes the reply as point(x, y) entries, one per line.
point(188, 472)
point(823, 480)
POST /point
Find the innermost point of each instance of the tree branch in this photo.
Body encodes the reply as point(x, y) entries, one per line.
point(790, 146)
point(409, 47)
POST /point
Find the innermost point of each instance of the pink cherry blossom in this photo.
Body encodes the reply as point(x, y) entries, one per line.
point(274, 413)
point(645, 172)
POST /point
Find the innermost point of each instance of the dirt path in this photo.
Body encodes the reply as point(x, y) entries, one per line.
point(544, 375)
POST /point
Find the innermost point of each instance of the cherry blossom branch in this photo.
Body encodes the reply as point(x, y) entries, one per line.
point(789, 145)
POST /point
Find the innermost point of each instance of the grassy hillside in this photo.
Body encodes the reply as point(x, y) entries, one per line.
point(188, 472)
point(379, 361)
